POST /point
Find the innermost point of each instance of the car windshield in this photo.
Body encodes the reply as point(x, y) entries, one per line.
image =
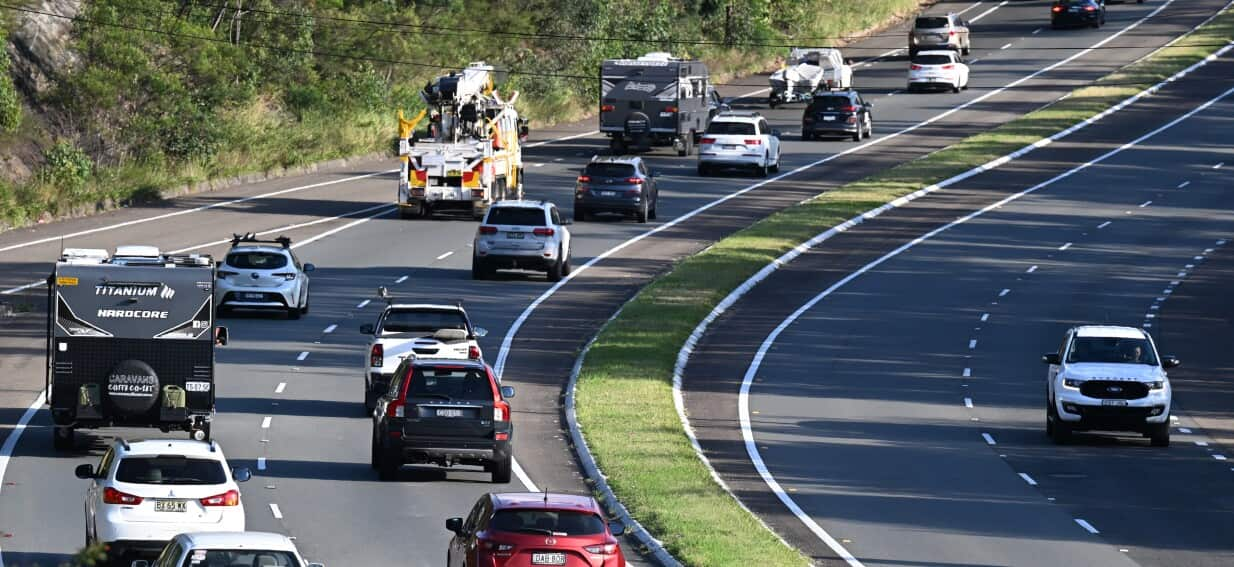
point(520, 216)
point(931, 60)
point(1112, 350)
point(547, 522)
point(450, 383)
point(731, 128)
point(610, 170)
point(830, 103)
point(256, 260)
point(422, 321)
point(931, 23)
point(170, 469)
point(239, 558)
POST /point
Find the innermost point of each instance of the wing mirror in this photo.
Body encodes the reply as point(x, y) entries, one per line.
point(775, 133)
point(480, 331)
point(84, 472)
point(366, 329)
point(221, 336)
point(507, 391)
point(1170, 362)
point(455, 525)
point(309, 268)
point(1051, 358)
point(241, 474)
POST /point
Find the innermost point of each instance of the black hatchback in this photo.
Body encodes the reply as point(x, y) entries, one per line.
point(1070, 13)
point(444, 412)
point(837, 113)
point(621, 184)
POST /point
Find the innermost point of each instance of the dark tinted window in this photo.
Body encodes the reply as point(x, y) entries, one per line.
point(547, 522)
point(1111, 349)
point(170, 469)
point(732, 128)
point(256, 260)
point(610, 169)
point(450, 383)
point(830, 103)
point(521, 216)
point(422, 321)
point(239, 558)
point(931, 60)
point(931, 23)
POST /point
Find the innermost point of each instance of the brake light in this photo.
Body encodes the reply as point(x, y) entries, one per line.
point(915, 67)
point(1090, 8)
point(707, 141)
point(670, 109)
point(607, 108)
point(634, 180)
point(754, 142)
point(229, 498)
point(377, 356)
point(113, 496)
point(473, 351)
point(485, 229)
point(395, 408)
point(848, 109)
point(1056, 9)
point(584, 179)
point(948, 67)
point(950, 33)
point(603, 549)
point(543, 231)
point(501, 410)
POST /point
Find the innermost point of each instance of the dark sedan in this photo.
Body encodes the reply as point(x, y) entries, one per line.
point(1077, 13)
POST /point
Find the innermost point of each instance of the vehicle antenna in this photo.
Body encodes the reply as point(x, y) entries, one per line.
point(546, 495)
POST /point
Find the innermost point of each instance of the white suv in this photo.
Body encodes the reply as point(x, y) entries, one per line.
point(739, 139)
point(263, 274)
point(143, 493)
point(229, 548)
point(528, 235)
point(1108, 378)
point(937, 69)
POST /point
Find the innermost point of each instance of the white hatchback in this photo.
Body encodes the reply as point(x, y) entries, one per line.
point(229, 548)
point(937, 69)
point(739, 139)
point(143, 493)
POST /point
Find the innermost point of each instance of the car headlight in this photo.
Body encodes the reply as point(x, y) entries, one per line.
point(1072, 383)
point(1156, 385)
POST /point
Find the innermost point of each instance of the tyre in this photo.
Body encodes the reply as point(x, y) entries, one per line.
point(566, 268)
point(641, 214)
point(955, 88)
point(480, 271)
point(1060, 433)
point(762, 170)
point(703, 170)
point(655, 204)
point(775, 168)
point(869, 128)
point(554, 271)
point(1049, 418)
point(304, 309)
point(293, 313)
point(387, 466)
point(687, 146)
point(857, 135)
point(370, 400)
point(1160, 435)
point(912, 52)
point(63, 437)
point(617, 145)
point(502, 470)
point(806, 136)
point(772, 102)
point(579, 214)
point(374, 456)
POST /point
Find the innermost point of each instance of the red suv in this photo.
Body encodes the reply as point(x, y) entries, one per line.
point(534, 528)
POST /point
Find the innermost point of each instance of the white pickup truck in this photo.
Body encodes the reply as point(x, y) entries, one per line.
point(414, 330)
point(808, 69)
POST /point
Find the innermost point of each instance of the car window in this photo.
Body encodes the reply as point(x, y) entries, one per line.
point(931, 22)
point(256, 260)
point(409, 321)
point(553, 215)
point(105, 462)
point(828, 102)
point(932, 59)
point(170, 555)
point(170, 469)
point(763, 128)
point(1111, 350)
point(547, 522)
point(518, 216)
point(719, 128)
point(473, 517)
point(452, 383)
point(239, 558)
point(396, 381)
point(609, 170)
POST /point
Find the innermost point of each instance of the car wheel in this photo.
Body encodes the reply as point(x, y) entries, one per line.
point(1160, 434)
point(763, 170)
point(502, 470)
point(374, 455)
point(776, 166)
point(387, 466)
point(293, 313)
point(703, 170)
point(1060, 433)
point(806, 136)
point(857, 135)
point(554, 271)
point(479, 271)
point(63, 438)
point(955, 87)
point(370, 400)
point(655, 204)
point(1049, 417)
point(641, 214)
point(304, 309)
point(687, 146)
point(869, 127)
point(771, 102)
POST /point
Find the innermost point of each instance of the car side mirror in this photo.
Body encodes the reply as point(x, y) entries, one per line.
point(139, 563)
point(84, 472)
point(309, 267)
point(366, 329)
point(507, 391)
point(617, 528)
point(221, 336)
point(1051, 358)
point(480, 331)
point(241, 474)
point(565, 222)
point(869, 105)
point(775, 133)
point(218, 263)
point(455, 525)
point(1170, 362)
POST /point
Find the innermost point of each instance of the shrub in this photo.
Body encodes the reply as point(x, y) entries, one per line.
point(10, 104)
point(66, 167)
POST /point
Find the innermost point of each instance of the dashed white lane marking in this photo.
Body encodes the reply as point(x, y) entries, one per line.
point(303, 355)
point(279, 389)
point(1028, 479)
point(1084, 524)
point(1104, 224)
point(1005, 46)
point(1221, 243)
point(989, 440)
point(985, 316)
point(968, 403)
point(265, 422)
point(1219, 457)
point(1201, 443)
point(974, 61)
point(972, 344)
point(1218, 166)
point(1184, 184)
point(1167, 291)
point(274, 509)
point(1065, 246)
point(970, 8)
point(1184, 430)
point(1150, 315)
point(1145, 204)
point(538, 165)
point(446, 255)
point(261, 463)
point(1031, 270)
point(1037, 31)
point(1181, 275)
point(558, 159)
point(401, 279)
point(330, 329)
point(1004, 292)
point(363, 304)
point(988, 12)
point(968, 372)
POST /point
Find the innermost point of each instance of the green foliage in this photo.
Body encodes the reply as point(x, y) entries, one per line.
point(10, 105)
point(66, 167)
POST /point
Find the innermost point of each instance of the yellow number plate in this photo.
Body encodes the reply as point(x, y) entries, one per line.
point(66, 280)
point(454, 173)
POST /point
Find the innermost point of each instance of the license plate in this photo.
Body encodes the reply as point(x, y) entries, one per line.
point(1119, 403)
point(256, 296)
point(454, 173)
point(608, 193)
point(829, 119)
point(730, 146)
point(197, 386)
point(548, 559)
point(514, 235)
point(1075, 8)
point(449, 413)
point(170, 505)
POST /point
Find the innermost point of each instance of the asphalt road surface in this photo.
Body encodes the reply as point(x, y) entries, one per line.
point(315, 445)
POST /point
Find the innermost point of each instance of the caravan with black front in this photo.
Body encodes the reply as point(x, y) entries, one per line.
point(130, 341)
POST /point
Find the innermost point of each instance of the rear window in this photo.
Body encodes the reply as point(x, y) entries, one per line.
point(520, 216)
point(449, 383)
point(170, 469)
point(731, 128)
point(256, 260)
point(422, 321)
point(610, 169)
point(239, 558)
point(547, 522)
point(931, 60)
point(931, 23)
point(830, 102)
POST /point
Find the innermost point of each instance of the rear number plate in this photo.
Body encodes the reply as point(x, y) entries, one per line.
point(608, 193)
point(548, 559)
point(170, 505)
point(1119, 403)
point(449, 413)
point(730, 146)
point(829, 119)
point(514, 235)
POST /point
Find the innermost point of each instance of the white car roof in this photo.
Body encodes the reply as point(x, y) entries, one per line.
point(239, 540)
point(936, 52)
point(257, 248)
point(187, 447)
point(736, 118)
point(1110, 331)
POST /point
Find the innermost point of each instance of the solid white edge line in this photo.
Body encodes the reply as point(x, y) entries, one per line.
point(1028, 479)
point(1084, 524)
point(275, 511)
point(522, 476)
point(987, 12)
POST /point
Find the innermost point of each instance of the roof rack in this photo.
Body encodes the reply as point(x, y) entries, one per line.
point(251, 238)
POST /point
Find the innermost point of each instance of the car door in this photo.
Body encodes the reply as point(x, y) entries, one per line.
point(94, 491)
point(463, 545)
point(555, 220)
point(773, 142)
point(650, 182)
point(1054, 369)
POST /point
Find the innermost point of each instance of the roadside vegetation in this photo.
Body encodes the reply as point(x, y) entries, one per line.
point(625, 398)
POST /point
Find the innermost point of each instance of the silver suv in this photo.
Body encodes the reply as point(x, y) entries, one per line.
point(526, 235)
point(939, 32)
point(263, 275)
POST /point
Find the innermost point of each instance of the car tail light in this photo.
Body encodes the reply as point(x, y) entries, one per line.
point(607, 108)
point(584, 179)
point(285, 275)
point(852, 120)
point(501, 410)
point(848, 109)
point(473, 351)
point(707, 141)
point(485, 229)
point(948, 67)
point(670, 109)
point(113, 496)
point(915, 67)
point(754, 142)
point(396, 408)
point(1056, 9)
point(1090, 8)
point(227, 274)
point(602, 549)
point(951, 33)
point(377, 356)
point(229, 498)
point(543, 231)
point(634, 180)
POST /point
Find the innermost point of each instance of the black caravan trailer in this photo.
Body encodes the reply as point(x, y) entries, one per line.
point(130, 341)
point(655, 99)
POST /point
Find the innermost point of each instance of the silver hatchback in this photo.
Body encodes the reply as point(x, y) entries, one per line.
point(263, 275)
point(527, 235)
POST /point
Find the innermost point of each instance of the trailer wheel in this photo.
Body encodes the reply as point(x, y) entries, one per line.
point(772, 102)
point(617, 145)
point(687, 145)
point(63, 437)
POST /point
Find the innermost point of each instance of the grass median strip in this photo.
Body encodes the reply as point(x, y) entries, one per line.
point(624, 396)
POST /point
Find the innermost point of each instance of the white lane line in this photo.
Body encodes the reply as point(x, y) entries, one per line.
point(984, 316)
point(968, 403)
point(1181, 275)
point(522, 476)
point(279, 389)
point(1004, 47)
point(562, 139)
point(303, 355)
point(261, 463)
point(330, 329)
point(1221, 243)
point(1031, 270)
point(1218, 166)
point(1037, 31)
point(972, 344)
point(1167, 291)
point(975, 4)
point(1004, 292)
point(1104, 224)
point(538, 165)
point(1147, 325)
point(1184, 430)
point(401, 279)
point(1065, 246)
point(1184, 184)
point(968, 372)
point(1084, 524)
point(559, 159)
point(274, 509)
point(1149, 315)
point(363, 304)
point(1201, 443)
point(974, 61)
point(265, 422)
point(988, 12)
point(989, 439)
point(10, 443)
point(1145, 204)
point(1028, 479)
point(446, 255)
point(1219, 457)
point(872, 60)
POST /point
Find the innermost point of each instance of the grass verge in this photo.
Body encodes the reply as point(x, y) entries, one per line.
point(624, 396)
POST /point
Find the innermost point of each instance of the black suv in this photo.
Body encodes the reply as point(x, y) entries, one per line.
point(1067, 13)
point(623, 185)
point(444, 412)
point(837, 113)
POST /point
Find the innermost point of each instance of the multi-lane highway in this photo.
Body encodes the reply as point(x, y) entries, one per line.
point(290, 391)
point(903, 409)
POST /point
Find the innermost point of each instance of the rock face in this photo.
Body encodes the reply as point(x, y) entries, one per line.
point(39, 44)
